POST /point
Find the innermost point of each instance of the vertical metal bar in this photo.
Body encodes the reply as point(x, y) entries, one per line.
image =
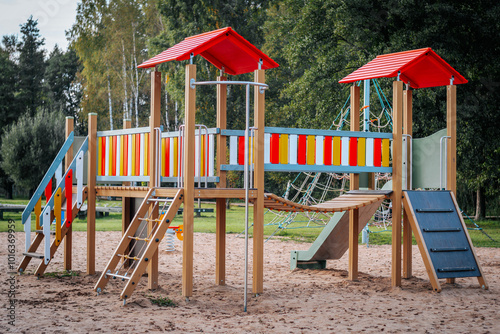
point(247, 125)
point(366, 98)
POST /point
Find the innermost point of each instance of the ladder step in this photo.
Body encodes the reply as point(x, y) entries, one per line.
point(451, 229)
point(456, 269)
point(41, 231)
point(434, 210)
point(128, 257)
point(450, 249)
point(115, 276)
point(34, 255)
point(161, 200)
point(139, 239)
point(150, 220)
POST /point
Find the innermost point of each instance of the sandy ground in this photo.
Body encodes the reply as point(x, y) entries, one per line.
point(299, 301)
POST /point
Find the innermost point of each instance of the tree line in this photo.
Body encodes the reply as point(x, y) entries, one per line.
point(316, 44)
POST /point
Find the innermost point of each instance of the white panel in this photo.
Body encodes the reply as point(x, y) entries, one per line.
point(129, 158)
point(79, 179)
point(27, 234)
point(46, 233)
point(369, 152)
point(171, 157)
point(197, 159)
point(118, 154)
point(267, 148)
point(106, 158)
point(58, 173)
point(211, 155)
point(292, 152)
point(141, 161)
point(319, 150)
point(345, 151)
point(233, 150)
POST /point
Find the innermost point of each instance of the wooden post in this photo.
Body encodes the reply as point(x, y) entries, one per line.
point(154, 122)
point(354, 185)
point(189, 148)
point(220, 215)
point(127, 124)
point(91, 178)
point(407, 235)
point(68, 240)
point(451, 131)
point(258, 205)
point(397, 181)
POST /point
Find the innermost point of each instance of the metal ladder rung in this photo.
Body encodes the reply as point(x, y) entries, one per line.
point(34, 255)
point(434, 210)
point(139, 239)
point(450, 249)
point(117, 276)
point(162, 200)
point(128, 257)
point(150, 220)
point(456, 269)
point(453, 229)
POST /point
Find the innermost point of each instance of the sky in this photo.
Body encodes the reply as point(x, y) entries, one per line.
point(54, 18)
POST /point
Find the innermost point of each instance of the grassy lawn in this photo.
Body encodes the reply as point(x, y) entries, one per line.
point(235, 222)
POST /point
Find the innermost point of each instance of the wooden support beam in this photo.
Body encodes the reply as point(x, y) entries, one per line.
point(91, 198)
point(154, 122)
point(397, 181)
point(451, 131)
point(354, 185)
point(258, 207)
point(407, 234)
point(68, 241)
point(189, 148)
point(220, 206)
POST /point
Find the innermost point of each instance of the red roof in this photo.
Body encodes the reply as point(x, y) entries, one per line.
point(422, 68)
point(223, 48)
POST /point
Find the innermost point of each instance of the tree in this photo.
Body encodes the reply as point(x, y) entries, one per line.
point(29, 147)
point(31, 66)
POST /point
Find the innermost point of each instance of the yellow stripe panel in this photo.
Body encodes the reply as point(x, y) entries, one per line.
point(176, 157)
point(122, 154)
point(146, 153)
point(38, 211)
point(57, 214)
point(385, 152)
point(283, 151)
point(99, 156)
point(311, 150)
point(133, 155)
point(110, 155)
point(361, 151)
point(336, 151)
point(163, 152)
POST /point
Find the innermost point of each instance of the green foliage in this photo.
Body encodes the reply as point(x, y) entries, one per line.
point(65, 273)
point(162, 301)
point(30, 145)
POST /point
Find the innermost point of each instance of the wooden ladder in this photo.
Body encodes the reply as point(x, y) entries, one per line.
point(32, 254)
point(139, 262)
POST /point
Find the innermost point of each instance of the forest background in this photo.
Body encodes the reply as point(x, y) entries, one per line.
point(315, 42)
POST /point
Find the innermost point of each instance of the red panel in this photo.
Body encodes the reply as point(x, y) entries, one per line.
point(223, 48)
point(166, 163)
point(353, 151)
point(241, 150)
point(103, 156)
point(113, 172)
point(422, 68)
point(137, 155)
point(68, 185)
point(327, 150)
point(377, 152)
point(302, 149)
point(275, 148)
point(48, 190)
point(125, 155)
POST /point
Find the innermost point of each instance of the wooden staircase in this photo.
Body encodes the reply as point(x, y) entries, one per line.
point(138, 258)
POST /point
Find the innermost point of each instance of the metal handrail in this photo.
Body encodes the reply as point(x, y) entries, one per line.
point(441, 170)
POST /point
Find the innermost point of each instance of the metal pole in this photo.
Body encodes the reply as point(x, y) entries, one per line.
point(365, 236)
point(247, 125)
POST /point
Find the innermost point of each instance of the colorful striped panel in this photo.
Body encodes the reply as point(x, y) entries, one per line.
point(361, 151)
point(115, 148)
point(385, 152)
point(241, 150)
point(369, 152)
point(353, 151)
point(327, 151)
point(293, 149)
point(233, 150)
point(311, 150)
point(267, 148)
point(377, 152)
point(301, 158)
point(146, 154)
point(99, 156)
point(337, 151)
point(121, 149)
point(107, 156)
point(164, 162)
point(176, 158)
point(275, 148)
point(319, 150)
point(130, 145)
point(345, 151)
point(283, 149)
point(211, 155)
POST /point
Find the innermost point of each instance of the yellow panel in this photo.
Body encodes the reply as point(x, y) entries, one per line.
point(385, 152)
point(133, 155)
point(163, 152)
point(311, 150)
point(110, 155)
point(38, 211)
point(146, 153)
point(57, 214)
point(283, 151)
point(336, 151)
point(176, 157)
point(99, 156)
point(361, 151)
point(122, 155)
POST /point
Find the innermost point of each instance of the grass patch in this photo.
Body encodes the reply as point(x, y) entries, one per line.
point(61, 274)
point(162, 301)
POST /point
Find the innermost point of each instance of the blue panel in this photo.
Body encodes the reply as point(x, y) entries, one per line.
point(48, 176)
point(314, 168)
point(443, 234)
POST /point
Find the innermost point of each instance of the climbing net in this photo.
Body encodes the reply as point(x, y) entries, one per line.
point(315, 188)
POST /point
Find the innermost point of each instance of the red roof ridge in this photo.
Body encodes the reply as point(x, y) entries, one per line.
point(214, 32)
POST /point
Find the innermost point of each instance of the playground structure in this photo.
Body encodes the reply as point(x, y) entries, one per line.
point(196, 154)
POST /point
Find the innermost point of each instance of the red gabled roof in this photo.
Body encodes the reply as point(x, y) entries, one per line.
point(422, 68)
point(223, 48)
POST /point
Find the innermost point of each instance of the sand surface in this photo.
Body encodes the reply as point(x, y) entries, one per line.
point(299, 301)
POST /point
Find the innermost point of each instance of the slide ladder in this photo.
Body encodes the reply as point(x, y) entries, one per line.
point(139, 262)
point(442, 236)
